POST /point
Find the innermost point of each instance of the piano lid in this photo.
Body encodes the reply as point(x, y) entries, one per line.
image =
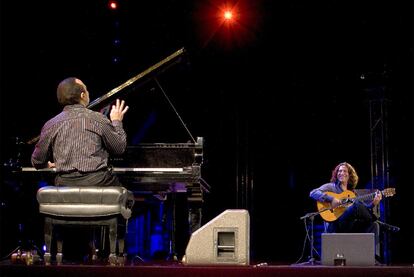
point(155, 102)
point(152, 116)
point(139, 79)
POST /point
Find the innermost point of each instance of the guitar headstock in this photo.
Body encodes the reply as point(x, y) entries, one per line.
point(388, 192)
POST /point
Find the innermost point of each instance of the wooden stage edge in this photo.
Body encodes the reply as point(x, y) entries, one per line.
point(175, 270)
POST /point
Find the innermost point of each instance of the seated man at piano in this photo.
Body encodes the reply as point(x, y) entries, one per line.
point(78, 141)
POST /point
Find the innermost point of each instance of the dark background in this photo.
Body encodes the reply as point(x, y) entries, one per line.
point(280, 97)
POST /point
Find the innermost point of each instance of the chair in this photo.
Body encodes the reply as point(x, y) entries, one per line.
point(376, 211)
point(91, 206)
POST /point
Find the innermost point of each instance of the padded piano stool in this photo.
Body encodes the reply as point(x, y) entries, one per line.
point(91, 206)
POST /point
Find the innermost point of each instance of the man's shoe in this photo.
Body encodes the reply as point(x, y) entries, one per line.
point(378, 261)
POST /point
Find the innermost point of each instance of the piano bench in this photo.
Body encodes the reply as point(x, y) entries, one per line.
point(90, 206)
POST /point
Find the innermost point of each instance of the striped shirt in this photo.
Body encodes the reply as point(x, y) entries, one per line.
point(79, 139)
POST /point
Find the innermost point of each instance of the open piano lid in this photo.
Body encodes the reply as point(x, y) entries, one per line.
point(152, 116)
point(157, 135)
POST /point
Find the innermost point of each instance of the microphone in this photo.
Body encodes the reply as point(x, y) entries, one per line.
point(389, 227)
point(395, 229)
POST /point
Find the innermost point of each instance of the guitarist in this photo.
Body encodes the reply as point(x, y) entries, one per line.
point(358, 217)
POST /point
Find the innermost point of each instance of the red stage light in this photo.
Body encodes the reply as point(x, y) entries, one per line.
point(231, 23)
point(228, 15)
point(113, 5)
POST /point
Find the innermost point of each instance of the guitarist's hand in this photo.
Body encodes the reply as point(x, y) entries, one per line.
point(377, 198)
point(335, 203)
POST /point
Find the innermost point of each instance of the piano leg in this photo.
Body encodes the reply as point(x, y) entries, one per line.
point(186, 215)
point(172, 255)
point(195, 202)
point(194, 218)
point(187, 220)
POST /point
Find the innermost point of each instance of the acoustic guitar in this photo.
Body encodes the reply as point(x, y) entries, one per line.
point(347, 198)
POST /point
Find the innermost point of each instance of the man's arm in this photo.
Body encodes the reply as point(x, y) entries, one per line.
point(42, 153)
point(319, 194)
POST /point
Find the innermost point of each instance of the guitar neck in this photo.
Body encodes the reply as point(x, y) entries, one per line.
point(366, 196)
point(385, 193)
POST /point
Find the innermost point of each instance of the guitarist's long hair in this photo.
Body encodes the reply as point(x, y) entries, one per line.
point(353, 177)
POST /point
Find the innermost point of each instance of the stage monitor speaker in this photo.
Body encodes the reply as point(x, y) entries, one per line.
point(225, 240)
point(356, 249)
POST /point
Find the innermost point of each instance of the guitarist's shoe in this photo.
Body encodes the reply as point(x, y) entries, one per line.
point(388, 227)
point(378, 261)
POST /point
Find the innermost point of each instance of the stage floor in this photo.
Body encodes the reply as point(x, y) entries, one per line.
point(177, 269)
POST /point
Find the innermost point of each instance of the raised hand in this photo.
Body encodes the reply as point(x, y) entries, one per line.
point(118, 110)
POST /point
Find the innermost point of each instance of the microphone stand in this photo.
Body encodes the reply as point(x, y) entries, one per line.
point(311, 217)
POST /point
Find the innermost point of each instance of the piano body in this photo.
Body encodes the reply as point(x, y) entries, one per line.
point(160, 168)
point(154, 169)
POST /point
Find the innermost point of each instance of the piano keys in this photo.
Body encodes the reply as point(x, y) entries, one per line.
point(143, 180)
point(157, 168)
point(115, 169)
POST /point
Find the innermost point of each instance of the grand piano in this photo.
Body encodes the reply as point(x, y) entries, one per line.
point(149, 168)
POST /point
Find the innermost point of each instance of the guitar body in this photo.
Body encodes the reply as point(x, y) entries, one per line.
point(329, 214)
